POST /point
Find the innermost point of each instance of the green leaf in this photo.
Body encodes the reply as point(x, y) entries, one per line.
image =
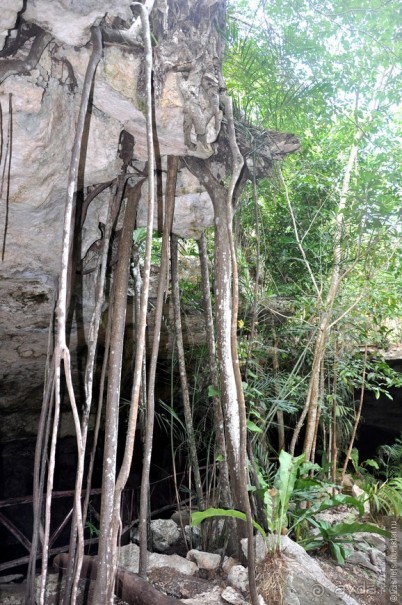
point(347, 529)
point(213, 391)
point(286, 476)
point(337, 552)
point(253, 427)
point(269, 510)
point(199, 516)
point(372, 463)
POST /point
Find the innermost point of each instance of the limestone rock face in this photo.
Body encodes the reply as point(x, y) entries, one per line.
point(40, 104)
point(8, 17)
point(44, 52)
point(70, 21)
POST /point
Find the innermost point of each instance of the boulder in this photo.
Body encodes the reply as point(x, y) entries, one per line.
point(305, 580)
point(228, 563)
point(261, 548)
point(129, 559)
point(164, 534)
point(204, 560)
point(363, 560)
point(212, 597)
point(230, 595)
point(238, 578)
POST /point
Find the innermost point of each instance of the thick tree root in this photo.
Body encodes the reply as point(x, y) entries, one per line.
point(129, 586)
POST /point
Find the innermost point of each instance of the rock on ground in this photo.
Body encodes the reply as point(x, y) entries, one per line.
point(129, 558)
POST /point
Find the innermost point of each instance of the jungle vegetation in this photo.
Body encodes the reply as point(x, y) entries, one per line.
point(299, 283)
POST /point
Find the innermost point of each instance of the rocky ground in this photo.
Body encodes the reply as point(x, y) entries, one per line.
point(295, 578)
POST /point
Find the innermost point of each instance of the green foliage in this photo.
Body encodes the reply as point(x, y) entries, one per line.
point(385, 498)
point(390, 459)
point(276, 499)
point(199, 516)
point(335, 537)
point(358, 468)
point(290, 487)
point(379, 378)
point(284, 483)
point(319, 73)
point(94, 531)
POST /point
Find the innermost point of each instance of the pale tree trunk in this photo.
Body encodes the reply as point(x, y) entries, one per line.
point(319, 410)
point(75, 558)
point(61, 352)
point(223, 318)
point(324, 326)
point(105, 576)
point(237, 165)
point(171, 178)
point(225, 495)
point(111, 491)
point(226, 304)
point(333, 421)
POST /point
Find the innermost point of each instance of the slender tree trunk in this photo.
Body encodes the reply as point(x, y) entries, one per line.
point(334, 428)
point(324, 326)
point(61, 352)
point(358, 416)
point(319, 410)
point(182, 370)
point(41, 449)
point(226, 301)
point(98, 418)
point(75, 558)
point(254, 311)
point(237, 165)
point(110, 519)
point(137, 279)
point(279, 413)
point(170, 190)
point(232, 409)
point(105, 579)
point(220, 441)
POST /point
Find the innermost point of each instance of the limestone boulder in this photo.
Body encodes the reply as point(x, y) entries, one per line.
point(129, 558)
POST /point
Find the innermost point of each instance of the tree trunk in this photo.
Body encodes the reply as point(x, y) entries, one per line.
point(324, 326)
point(111, 500)
point(357, 418)
point(220, 449)
point(171, 177)
point(182, 370)
point(104, 584)
point(279, 413)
